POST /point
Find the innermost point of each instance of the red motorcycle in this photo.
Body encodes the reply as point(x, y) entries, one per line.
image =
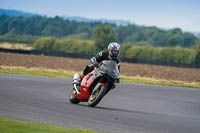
point(96, 84)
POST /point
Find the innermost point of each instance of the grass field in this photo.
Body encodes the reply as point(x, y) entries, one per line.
point(17, 126)
point(66, 67)
point(73, 64)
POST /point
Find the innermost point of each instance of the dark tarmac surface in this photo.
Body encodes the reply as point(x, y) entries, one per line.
point(129, 108)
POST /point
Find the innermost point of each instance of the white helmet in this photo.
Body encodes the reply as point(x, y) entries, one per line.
point(113, 49)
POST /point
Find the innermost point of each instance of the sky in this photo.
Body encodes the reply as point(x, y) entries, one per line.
point(184, 14)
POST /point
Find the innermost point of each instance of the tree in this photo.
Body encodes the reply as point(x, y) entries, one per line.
point(159, 39)
point(134, 37)
point(4, 24)
point(174, 40)
point(51, 30)
point(84, 29)
point(174, 31)
point(197, 49)
point(124, 48)
point(124, 31)
point(197, 45)
point(59, 27)
point(45, 43)
point(189, 39)
point(103, 35)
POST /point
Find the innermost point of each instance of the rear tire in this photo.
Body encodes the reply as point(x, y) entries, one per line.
point(96, 97)
point(73, 97)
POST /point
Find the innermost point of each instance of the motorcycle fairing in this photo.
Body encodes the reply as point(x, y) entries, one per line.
point(86, 84)
point(103, 84)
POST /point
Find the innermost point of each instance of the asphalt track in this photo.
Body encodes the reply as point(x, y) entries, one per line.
point(130, 108)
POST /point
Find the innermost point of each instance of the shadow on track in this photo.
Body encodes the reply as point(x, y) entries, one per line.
point(114, 109)
point(121, 110)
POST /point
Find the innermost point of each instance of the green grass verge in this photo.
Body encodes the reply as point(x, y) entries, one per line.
point(159, 82)
point(16, 126)
point(64, 74)
point(34, 72)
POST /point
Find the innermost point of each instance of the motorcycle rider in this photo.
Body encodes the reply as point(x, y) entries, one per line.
point(112, 53)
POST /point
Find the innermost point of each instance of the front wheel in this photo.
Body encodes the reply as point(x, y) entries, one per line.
point(73, 97)
point(96, 96)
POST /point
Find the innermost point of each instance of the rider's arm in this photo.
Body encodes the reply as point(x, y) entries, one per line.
point(118, 63)
point(119, 67)
point(98, 58)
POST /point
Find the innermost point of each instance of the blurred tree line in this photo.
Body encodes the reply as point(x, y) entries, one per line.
point(138, 42)
point(58, 27)
point(69, 45)
point(168, 54)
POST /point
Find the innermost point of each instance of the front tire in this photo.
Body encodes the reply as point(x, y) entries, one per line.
point(96, 96)
point(73, 97)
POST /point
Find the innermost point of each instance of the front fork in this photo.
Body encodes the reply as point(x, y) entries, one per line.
point(75, 82)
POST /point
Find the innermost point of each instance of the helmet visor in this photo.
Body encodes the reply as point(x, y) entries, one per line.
point(115, 53)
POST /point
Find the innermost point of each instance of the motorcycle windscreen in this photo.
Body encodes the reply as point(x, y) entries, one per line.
point(111, 68)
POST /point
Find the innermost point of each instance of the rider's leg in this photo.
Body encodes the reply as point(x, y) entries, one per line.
point(87, 69)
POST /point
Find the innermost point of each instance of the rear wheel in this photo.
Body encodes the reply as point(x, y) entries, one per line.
point(73, 97)
point(96, 96)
